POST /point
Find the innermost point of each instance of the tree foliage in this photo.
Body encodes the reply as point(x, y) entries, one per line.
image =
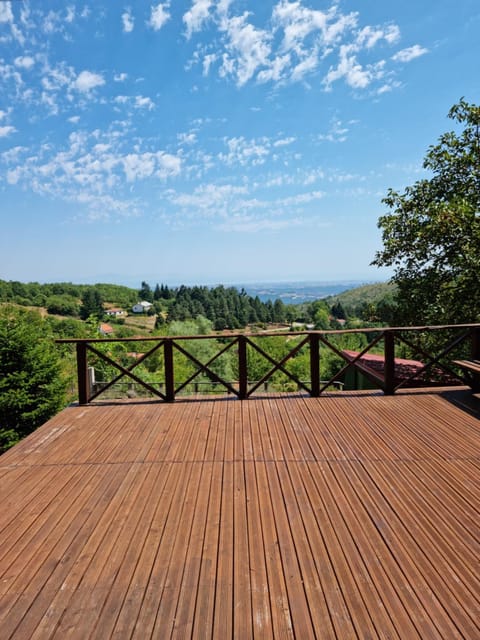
point(92, 304)
point(432, 235)
point(32, 388)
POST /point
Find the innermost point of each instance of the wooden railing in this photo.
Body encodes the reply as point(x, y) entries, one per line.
point(464, 337)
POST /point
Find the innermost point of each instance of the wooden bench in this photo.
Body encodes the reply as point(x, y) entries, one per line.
point(472, 367)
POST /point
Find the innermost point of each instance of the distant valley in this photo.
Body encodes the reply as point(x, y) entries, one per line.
point(298, 292)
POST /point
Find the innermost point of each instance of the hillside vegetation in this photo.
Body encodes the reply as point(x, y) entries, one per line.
point(367, 302)
point(225, 307)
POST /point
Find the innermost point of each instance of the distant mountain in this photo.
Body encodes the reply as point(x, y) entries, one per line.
point(298, 292)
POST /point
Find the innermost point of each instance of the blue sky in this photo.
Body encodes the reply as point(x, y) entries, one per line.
point(204, 141)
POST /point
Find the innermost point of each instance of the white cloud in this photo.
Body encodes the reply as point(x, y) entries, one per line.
point(141, 102)
point(139, 166)
point(135, 102)
point(244, 152)
point(8, 73)
point(6, 131)
point(292, 46)
point(128, 21)
point(368, 37)
point(354, 74)
point(14, 175)
point(24, 62)
point(12, 155)
point(337, 132)
point(301, 198)
point(86, 81)
point(53, 22)
point(211, 199)
point(208, 60)
point(305, 66)
point(277, 70)
point(57, 78)
point(297, 22)
point(237, 209)
point(159, 15)
point(195, 17)
point(6, 14)
point(74, 119)
point(120, 77)
point(187, 138)
point(284, 142)
point(97, 169)
point(389, 86)
point(70, 17)
point(247, 48)
point(100, 207)
point(168, 165)
point(410, 53)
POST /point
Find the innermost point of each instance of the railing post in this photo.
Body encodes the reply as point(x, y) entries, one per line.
point(314, 365)
point(475, 345)
point(169, 373)
point(475, 355)
point(82, 373)
point(389, 369)
point(242, 368)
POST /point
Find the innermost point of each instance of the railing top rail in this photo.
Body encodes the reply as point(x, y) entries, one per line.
point(267, 334)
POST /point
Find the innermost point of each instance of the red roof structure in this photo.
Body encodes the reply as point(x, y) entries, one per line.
point(105, 328)
point(405, 369)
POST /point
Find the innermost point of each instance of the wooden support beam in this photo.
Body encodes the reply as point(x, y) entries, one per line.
point(82, 373)
point(389, 371)
point(314, 365)
point(242, 368)
point(169, 372)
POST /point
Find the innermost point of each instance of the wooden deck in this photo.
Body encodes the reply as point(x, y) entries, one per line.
point(345, 516)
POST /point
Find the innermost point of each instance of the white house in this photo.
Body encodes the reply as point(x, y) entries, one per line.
point(115, 312)
point(142, 307)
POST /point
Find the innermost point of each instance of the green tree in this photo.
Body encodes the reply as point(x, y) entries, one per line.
point(92, 304)
point(62, 305)
point(432, 235)
point(338, 311)
point(32, 388)
point(145, 292)
point(278, 311)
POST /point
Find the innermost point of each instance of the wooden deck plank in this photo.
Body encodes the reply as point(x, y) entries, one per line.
point(144, 554)
point(204, 610)
point(98, 577)
point(282, 625)
point(223, 620)
point(362, 579)
point(40, 522)
point(23, 492)
point(453, 560)
point(185, 612)
point(122, 561)
point(50, 566)
point(260, 601)
point(297, 598)
point(343, 539)
point(242, 605)
point(171, 586)
point(305, 554)
point(421, 576)
point(344, 516)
